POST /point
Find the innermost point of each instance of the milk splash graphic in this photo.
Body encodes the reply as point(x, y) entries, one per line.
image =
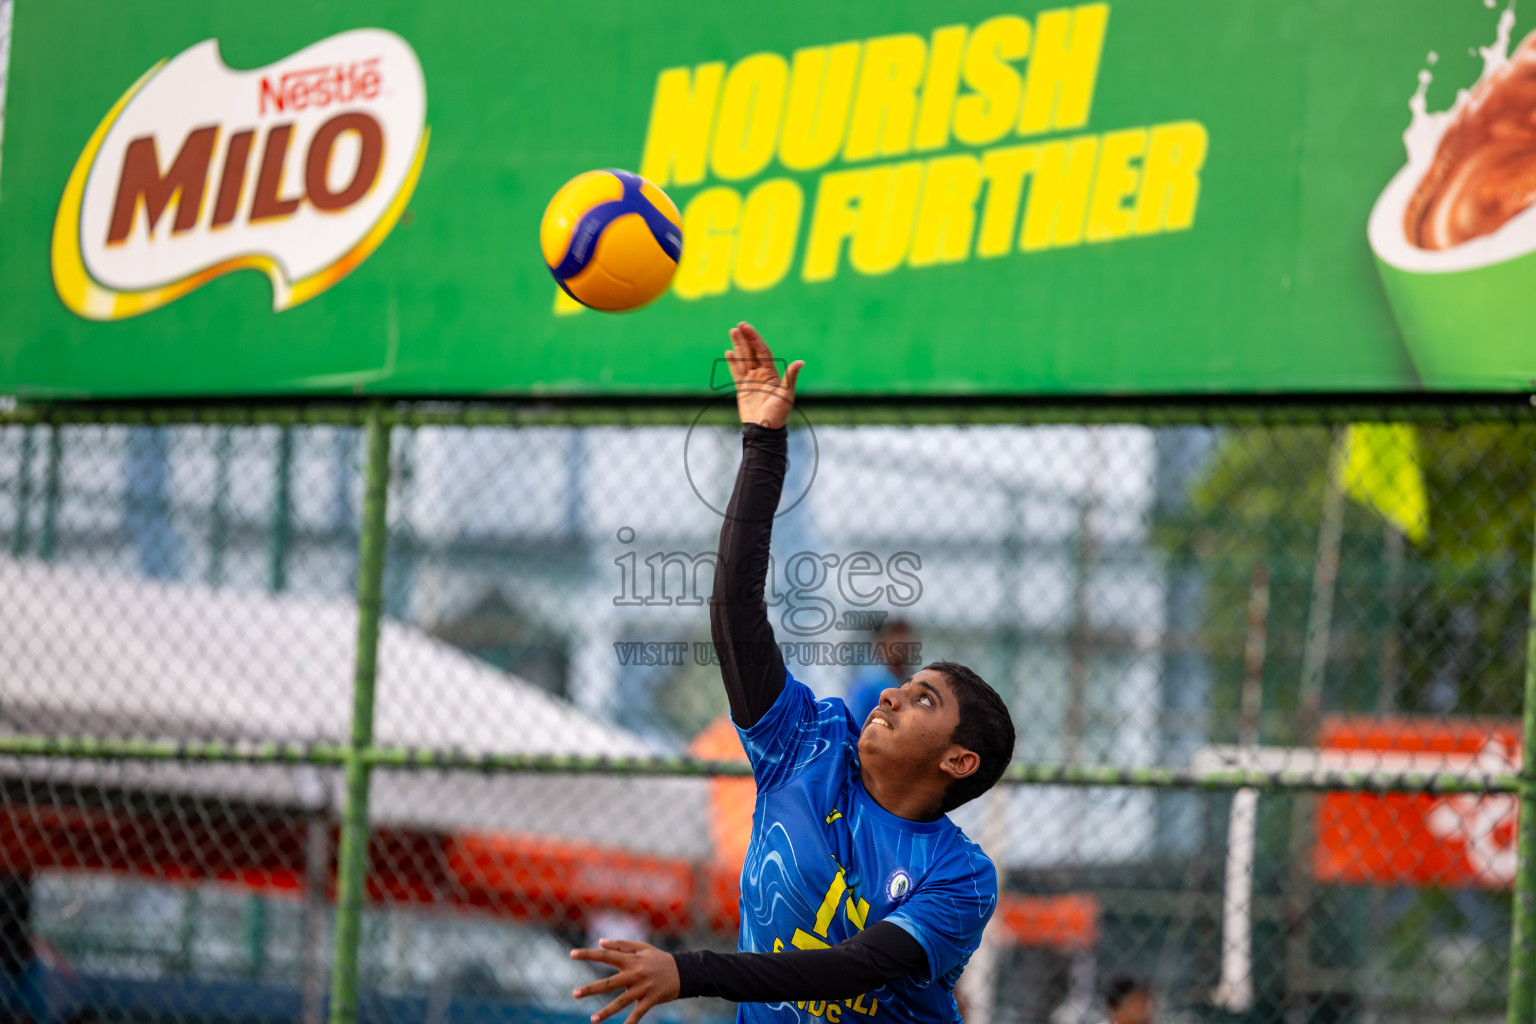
point(1425, 129)
point(1422, 139)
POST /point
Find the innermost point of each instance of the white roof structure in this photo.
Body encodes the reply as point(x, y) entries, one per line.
point(82, 653)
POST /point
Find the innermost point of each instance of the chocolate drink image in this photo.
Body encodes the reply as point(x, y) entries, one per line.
point(1454, 232)
point(1484, 171)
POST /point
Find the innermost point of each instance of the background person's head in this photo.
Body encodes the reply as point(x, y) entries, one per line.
point(894, 654)
point(1128, 1001)
point(895, 639)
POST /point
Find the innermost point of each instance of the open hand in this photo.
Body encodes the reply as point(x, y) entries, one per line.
point(647, 975)
point(762, 396)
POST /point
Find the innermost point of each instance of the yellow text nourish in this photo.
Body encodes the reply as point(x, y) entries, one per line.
point(909, 151)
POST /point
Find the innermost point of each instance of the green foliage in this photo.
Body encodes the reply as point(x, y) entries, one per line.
point(1438, 629)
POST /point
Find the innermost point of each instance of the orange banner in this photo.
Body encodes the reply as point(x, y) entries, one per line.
point(1463, 839)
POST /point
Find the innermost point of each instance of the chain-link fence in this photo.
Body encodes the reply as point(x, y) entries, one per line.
point(1267, 671)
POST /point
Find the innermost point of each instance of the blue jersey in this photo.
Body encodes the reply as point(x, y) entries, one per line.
point(826, 861)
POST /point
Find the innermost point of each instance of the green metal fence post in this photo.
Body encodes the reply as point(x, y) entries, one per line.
point(52, 488)
point(282, 516)
point(352, 860)
point(218, 513)
point(1522, 931)
point(23, 494)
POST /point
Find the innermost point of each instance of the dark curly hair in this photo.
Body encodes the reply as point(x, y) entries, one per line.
point(1120, 988)
point(985, 727)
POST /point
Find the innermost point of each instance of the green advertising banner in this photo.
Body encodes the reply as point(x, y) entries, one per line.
point(925, 198)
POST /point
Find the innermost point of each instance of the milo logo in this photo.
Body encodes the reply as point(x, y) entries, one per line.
point(298, 169)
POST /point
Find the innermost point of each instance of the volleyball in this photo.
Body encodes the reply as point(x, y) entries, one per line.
point(612, 240)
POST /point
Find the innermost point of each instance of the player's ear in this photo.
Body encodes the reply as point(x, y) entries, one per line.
point(960, 762)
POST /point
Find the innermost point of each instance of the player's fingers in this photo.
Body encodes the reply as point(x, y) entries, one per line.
point(755, 346)
point(612, 983)
point(741, 347)
point(594, 988)
point(792, 375)
point(733, 364)
point(621, 945)
point(641, 1009)
point(760, 347)
point(620, 1001)
point(602, 956)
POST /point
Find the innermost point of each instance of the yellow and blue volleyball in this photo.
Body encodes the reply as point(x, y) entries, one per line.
point(612, 240)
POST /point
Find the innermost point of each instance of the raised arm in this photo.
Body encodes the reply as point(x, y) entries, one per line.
point(750, 662)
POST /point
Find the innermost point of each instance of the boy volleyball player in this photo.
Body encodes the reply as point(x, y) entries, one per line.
point(860, 900)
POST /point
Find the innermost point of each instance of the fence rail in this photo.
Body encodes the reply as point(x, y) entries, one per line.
point(333, 756)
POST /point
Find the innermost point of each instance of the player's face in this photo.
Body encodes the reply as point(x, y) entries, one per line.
point(912, 723)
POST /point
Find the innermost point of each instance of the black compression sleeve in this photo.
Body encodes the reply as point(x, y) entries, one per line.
point(750, 661)
point(875, 957)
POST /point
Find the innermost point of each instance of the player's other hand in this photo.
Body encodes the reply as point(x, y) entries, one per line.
point(762, 396)
point(647, 975)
